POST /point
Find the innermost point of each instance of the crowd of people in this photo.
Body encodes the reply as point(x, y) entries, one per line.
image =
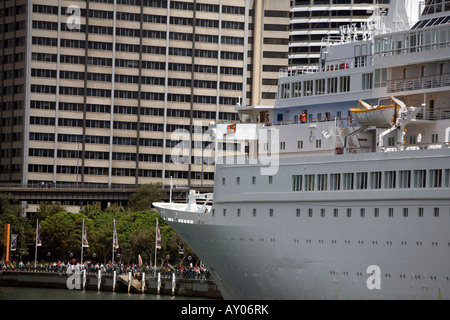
point(186, 272)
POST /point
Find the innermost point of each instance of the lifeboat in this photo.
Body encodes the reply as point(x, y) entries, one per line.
point(379, 116)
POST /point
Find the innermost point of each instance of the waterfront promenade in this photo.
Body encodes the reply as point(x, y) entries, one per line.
point(192, 282)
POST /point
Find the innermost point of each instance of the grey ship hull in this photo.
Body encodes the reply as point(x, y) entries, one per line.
point(265, 241)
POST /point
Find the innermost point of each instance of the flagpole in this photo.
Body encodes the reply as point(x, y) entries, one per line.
point(156, 241)
point(113, 241)
point(82, 238)
point(35, 250)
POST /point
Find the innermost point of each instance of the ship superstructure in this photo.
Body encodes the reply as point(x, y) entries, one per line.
point(341, 190)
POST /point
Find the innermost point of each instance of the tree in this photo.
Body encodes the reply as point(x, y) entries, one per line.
point(144, 196)
point(61, 233)
point(10, 213)
point(46, 209)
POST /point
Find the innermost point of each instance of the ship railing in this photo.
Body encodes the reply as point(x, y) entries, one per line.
point(328, 66)
point(416, 146)
point(419, 83)
point(326, 118)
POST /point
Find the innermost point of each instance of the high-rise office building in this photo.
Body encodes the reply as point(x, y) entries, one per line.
point(93, 90)
point(314, 20)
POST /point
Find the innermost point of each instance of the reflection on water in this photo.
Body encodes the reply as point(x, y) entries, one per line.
point(21, 293)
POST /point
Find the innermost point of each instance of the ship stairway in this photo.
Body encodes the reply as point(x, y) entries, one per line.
point(344, 132)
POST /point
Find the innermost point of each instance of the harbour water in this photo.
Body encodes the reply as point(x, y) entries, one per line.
point(30, 293)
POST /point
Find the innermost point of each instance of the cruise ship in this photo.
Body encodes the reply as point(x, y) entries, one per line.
point(341, 190)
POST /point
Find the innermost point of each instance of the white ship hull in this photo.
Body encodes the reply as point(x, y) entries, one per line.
point(264, 241)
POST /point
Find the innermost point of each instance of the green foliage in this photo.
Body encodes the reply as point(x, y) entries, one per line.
point(46, 209)
point(10, 213)
point(61, 230)
point(144, 196)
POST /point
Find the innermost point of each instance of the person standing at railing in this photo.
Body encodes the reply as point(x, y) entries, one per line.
point(302, 117)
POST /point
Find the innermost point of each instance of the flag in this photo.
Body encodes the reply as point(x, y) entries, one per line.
point(158, 236)
point(139, 260)
point(38, 235)
point(85, 240)
point(115, 240)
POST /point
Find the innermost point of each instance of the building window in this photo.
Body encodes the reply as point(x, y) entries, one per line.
point(420, 212)
point(349, 212)
point(270, 212)
point(405, 212)
point(297, 212)
point(310, 213)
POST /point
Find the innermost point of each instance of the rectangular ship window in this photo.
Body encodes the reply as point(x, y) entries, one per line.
point(447, 178)
point(297, 212)
point(376, 212)
point(270, 212)
point(420, 178)
point(404, 177)
point(420, 212)
point(322, 182)
point(348, 181)
point(297, 182)
point(361, 180)
point(335, 181)
point(389, 179)
point(435, 178)
point(375, 180)
point(391, 212)
point(309, 182)
point(436, 212)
